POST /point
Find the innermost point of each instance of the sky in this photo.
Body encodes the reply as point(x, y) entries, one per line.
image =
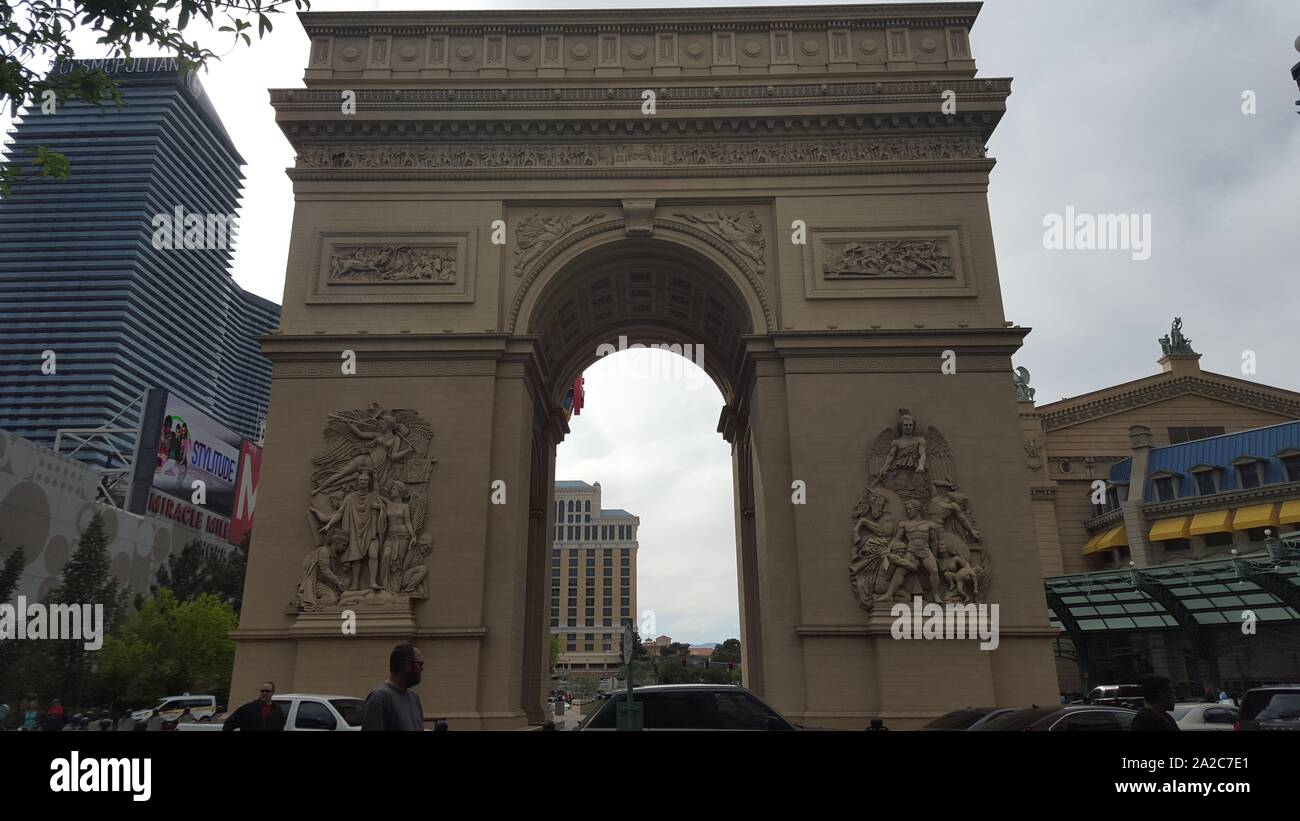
point(1132, 107)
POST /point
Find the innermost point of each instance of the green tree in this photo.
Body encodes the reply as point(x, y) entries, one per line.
point(35, 34)
point(171, 647)
point(557, 647)
point(189, 575)
point(11, 572)
point(84, 579)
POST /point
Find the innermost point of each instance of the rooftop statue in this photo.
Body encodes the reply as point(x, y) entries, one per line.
point(1174, 342)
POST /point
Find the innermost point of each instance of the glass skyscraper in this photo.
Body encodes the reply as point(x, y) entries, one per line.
point(117, 280)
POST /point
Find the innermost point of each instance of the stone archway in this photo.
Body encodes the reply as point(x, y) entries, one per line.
point(515, 188)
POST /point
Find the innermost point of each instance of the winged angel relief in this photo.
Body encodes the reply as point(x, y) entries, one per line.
point(369, 510)
point(914, 533)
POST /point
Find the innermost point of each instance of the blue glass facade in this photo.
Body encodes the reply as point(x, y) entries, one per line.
point(80, 274)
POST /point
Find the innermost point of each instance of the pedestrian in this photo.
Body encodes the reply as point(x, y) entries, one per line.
point(4, 716)
point(259, 715)
point(125, 724)
point(1065, 698)
point(440, 726)
point(155, 722)
point(1158, 700)
point(31, 714)
point(392, 706)
point(548, 726)
point(186, 717)
point(54, 717)
point(877, 726)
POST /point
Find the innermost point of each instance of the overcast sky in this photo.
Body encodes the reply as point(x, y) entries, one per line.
point(1116, 107)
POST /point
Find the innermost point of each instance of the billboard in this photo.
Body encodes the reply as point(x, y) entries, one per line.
point(189, 458)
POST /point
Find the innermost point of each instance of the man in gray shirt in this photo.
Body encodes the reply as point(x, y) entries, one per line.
point(392, 706)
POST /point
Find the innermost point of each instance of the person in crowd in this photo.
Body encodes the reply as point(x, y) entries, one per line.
point(392, 706)
point(877, 725)
point(186, 717)
point(1158, 700)
point(259, 715)
point(155, 722)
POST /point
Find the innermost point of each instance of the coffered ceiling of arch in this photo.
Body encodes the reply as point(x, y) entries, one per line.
point(642, 289)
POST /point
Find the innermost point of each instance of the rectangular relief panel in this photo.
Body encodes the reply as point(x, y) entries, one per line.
point(854, 261)
point(395, 267)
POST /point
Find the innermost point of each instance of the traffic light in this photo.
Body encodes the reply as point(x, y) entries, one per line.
point(731, 665)
point(683, 659)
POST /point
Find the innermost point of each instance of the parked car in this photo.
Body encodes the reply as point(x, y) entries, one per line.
point(1071, 717)
point(171, 707)
point(306, 713)
point(1116, 695)
point(969, 718)
point(691, 707)
point(1271, 708)
point(1204, 716)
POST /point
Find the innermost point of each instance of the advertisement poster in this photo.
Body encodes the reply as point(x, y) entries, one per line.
point(250, 466)
point(191, 447)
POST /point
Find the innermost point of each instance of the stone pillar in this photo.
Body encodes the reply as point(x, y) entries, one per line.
point(1135, 524)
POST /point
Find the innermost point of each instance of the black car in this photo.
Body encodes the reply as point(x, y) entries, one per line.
point(691, 707)
point(1271, 708)
point(969, 718)
point(1117, 695)
point(1070, 718)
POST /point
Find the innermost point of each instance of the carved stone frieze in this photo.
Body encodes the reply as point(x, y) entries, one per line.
point(368, 511)
point(889, 258)
point(391, 263)
point(612, 155)
point(538, 232)
point(914, 533)
point(741, 230)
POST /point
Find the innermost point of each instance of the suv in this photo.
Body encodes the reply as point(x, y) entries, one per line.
point(691, 707)
point(1116, 695)
point(310, 713)
point(1271, 708)
point(203, 708)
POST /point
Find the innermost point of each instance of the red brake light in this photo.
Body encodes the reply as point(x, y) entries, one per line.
point(1236, 726)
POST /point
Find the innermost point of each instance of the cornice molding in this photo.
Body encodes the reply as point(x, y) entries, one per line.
point(1219, 501)
point(648, 21)
point(602, 94)
point(1260, 399)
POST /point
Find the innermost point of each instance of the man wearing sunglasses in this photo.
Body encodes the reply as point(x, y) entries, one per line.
point(392, 706)
point(258, 715)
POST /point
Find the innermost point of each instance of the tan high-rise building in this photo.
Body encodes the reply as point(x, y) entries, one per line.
point(593, 579)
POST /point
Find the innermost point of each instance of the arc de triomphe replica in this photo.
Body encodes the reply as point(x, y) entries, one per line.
point(484, 198)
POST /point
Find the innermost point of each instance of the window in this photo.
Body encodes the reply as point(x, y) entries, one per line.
point(609, 600)
point(572, 535)
point(1091, 720)
point(607, 637)
point(570, 505)
point(591, 600)
point(573, 612)
point(1191, 434)
point(314, 716)
point(1174, 545)
point(571, 647)
point(609, 559)
point(555, 562)
point(625, 611)
point(625, 552)
point(608, 611)
point(591, 562)
point(1218, 539)
point(587, 507)
point(555, 572)
point(573, 637)
point(604, 648)
point(587, 648)
point(1220, 715)
point(608, 623)
point(591, 612)
point(586, 532)
point(1247, 473)
point(555, 611)
point(555, 622)
point(609, 571)
point(1291, 466)
point(1205, 484)
point(739, 711)
point(1165, 488)
point(625, 571)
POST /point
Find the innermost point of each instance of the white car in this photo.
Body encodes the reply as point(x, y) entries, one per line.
point(305, 712)
point(1205, 716)
point(171, 707)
